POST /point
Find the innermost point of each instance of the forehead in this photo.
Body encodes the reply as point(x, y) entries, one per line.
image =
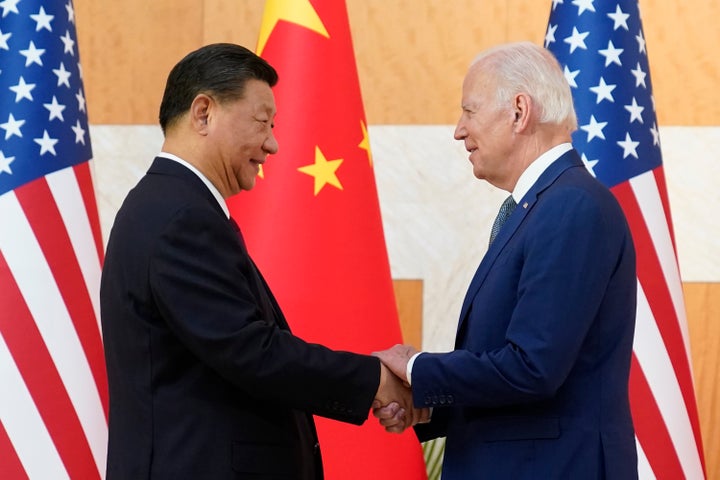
point(476, 86)
point(258, 96)
point(478, 76)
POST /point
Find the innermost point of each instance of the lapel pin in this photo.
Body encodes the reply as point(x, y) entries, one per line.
point(525, 205)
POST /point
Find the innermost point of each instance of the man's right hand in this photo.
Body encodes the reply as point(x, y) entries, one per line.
point(393, 405)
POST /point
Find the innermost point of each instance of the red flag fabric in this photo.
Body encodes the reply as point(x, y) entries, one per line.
point(53, 400)
point(312, 223)
point(603, 51)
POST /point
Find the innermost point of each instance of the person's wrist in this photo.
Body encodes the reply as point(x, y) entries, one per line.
point(409, 367)
point(382, 384)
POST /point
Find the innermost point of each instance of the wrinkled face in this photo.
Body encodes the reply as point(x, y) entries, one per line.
point(242, 135)
point(486, 130)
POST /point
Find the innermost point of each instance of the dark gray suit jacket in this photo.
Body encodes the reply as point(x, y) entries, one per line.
point(205, 378)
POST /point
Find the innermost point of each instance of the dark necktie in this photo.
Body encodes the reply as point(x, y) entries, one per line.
point(239, 233)
point(506, 209)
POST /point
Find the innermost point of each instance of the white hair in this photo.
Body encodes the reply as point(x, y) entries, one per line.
point(524, 67)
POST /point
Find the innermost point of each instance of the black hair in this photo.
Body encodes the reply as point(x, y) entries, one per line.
point(220, 70)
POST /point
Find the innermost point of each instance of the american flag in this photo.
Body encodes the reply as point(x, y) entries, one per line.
point(601, 46)
point(53, 400)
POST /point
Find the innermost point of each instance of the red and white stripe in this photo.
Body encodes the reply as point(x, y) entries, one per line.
point(662, 395)
point(53, 406)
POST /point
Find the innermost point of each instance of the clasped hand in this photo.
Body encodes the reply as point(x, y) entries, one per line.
point(393, 405)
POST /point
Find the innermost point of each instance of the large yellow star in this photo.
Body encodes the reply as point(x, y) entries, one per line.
point(365, 143)
point(300, 12)
point(323, 171)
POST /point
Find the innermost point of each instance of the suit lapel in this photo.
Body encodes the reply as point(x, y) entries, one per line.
point(262, 291)
point(548, 177)
point(165, 166)
point(267, 299)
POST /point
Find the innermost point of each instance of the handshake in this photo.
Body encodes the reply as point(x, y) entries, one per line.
point(393, 405)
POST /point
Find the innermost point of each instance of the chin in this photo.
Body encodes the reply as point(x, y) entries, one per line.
point(248, 185)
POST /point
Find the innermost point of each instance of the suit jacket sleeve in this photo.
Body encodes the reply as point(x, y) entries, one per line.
point(200, 280)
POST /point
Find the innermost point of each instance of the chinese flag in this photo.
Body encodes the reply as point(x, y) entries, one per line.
point(312, 222)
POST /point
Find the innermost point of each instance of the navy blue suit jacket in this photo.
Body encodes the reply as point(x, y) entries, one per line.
point(206, 380)
point(537, 386)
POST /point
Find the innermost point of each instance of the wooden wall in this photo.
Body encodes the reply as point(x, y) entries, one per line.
point(411, 56)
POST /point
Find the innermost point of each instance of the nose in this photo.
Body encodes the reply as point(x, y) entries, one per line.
point(460, 131)
point(271, 145)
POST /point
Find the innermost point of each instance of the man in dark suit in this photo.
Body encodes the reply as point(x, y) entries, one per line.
point(537, 385)
point(206, 380)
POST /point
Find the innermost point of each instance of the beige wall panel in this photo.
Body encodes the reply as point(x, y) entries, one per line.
point(682, 40)
point(527, 20)
point(411, 54)
point(232, 21)
point(127, 49)
point(703, 308)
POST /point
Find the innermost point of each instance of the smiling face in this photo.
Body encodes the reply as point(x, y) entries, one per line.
point(486, 128)
point(240, 137)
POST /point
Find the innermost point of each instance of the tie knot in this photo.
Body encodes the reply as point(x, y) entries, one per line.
point(506, 209)
point(508, 205)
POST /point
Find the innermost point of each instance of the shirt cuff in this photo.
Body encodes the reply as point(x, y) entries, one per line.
point(408, 371)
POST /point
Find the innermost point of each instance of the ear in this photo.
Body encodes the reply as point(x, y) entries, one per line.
point(200, 110)
point(523, 111)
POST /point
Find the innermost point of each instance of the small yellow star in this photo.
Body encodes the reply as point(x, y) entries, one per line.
point(261, 173)
point(323, 171)
point(300, 12)
point(365, 144)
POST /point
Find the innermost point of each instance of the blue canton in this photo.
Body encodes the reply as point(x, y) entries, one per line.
point(43, 119)
point(601, 47)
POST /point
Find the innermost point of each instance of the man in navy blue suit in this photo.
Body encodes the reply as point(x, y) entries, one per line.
point(537, 385)
point(206, 380)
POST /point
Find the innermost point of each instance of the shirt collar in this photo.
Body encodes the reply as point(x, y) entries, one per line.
point(215, 192)
point(536, 168)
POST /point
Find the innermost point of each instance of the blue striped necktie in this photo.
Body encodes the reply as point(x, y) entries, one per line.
point(506, 209)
